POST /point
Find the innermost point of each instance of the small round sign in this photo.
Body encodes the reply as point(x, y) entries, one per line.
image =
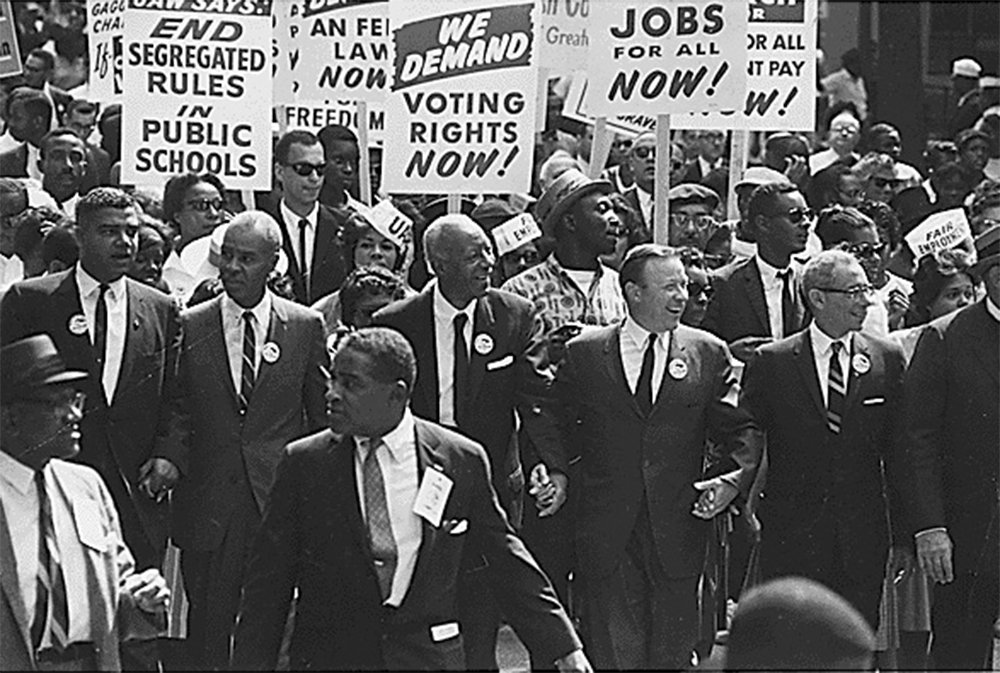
point(483, 344)
point(270, 352)
point(861, 363)
point(677, 369)
point(78, 324)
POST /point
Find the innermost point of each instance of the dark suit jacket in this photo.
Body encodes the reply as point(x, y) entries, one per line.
point(62, 100)
point(952, 412)
point(220, 452)
point(14, 163)
point(739, 308)
point(329, 265)
point(509, 377)
point(632, 197)
point(313, 539)
point(116, 440)
point(822, 487)
point(624, 453)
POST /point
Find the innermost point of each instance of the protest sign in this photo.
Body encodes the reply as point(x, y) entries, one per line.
point(105, 26)
point(197, 91)
point(666, 57)
point(314, 116)
point(514, 233)
point(387, 220)
point(10, 53)
point(331, 49)
point(938, 232)
point(781, 72)
point(461, 109)
point(575, 108)
point(562, 33)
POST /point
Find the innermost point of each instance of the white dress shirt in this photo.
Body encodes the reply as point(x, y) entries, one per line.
point(773, 288)
point(634, 339)
point(8, 143)
point(31, 165)
point(397, 458)
point(822, 346)
point(68, 207)
point(232, 327)
point(444, 343)
point(645, 200)
point(11, 271)
point(117, 302)
point(292, 225)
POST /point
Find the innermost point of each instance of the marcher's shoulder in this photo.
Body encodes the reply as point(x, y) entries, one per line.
point(522, 283)
point(200, 312)
point(591, 339)
point(444, 439)
point(160, 301)
point(40, 285)
point(700, 339)
point(735, 268)
point(312, 445)
point(882, 343)
point(297, 312)
point(513, 303)
point(79, 478)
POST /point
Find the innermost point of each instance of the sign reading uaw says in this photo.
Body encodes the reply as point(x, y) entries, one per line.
point(666, 56)
point(460, 113)
point(197, 91)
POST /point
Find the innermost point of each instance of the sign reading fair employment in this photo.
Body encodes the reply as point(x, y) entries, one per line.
point(938, 232)
point(461, 110)
point(667, 56)
point(332, 49)
point(781, 72)
point(105, 26)
point(197, 83)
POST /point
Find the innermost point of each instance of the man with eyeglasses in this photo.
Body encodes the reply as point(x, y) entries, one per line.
point(71, 591)
point(311, 232)
point(842, 138)
point(641, 160)
point(692, 215)
point(759, 299)
point(828, 399)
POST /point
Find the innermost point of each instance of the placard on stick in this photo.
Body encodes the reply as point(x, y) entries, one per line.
point(10, 53)
point(940, 231)
point(105, 27)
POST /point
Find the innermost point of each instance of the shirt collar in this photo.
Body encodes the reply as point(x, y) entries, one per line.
point(16, 473)
point(445, 311)
point(639, 334)
point(88, 284)
point(234, 311)
point(560, 270)
point(400, 440)
point(293, 218)
point(822, 342)
point(993, 309)
point(768, 273)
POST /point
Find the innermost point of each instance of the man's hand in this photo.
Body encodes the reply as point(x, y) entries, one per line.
point(897, 305)
point(796, 168)
point(553, 497)
point(715, 497)
point(574, 662)
point(742, 349)
point(934, 555)
point(149, 590)
point(157, 476)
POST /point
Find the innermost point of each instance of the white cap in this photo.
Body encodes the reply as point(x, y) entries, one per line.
point(966, 67)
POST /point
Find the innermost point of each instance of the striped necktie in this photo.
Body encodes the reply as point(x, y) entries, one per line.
point(836, 391)
point(51, 609)
point(249, 359)
point(383, 542)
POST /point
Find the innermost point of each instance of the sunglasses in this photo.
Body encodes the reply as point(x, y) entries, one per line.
point(306, 169)
point(866, 249)
point(202, 205)
point(882, 183)
point(644, 151)
point(797, 215)
point(696, 290)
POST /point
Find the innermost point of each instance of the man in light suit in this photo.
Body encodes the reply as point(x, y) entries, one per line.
point(638, 400)
point(371, 521)
point(475, 391)
point(251, 379)
point(69, 591)
point(828, 399)
point(950, 503)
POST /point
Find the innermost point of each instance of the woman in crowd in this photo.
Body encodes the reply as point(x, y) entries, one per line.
point(877, 173)
point(943, 283)
point(699, 287)
point(951, 185)
point(155, 245)
point(836, 183)
point(193, 206)
point(984, 211)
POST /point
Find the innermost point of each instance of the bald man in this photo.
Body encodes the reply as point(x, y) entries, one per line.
point(251, 380)
point(479, 357)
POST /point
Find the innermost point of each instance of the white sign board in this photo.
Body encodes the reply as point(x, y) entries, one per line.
point(105, 26)
point(940, 231)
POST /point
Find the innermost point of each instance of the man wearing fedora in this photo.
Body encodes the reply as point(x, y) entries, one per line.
point(69, 590)
point(950, 496)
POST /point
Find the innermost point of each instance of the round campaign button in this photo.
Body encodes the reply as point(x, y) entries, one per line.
point(483, 344)
point(270, 352)
point(677, 369)
point(78, 324)
point(861, 363)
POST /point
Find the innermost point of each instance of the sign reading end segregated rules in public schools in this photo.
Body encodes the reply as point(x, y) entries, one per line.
point(197, 91)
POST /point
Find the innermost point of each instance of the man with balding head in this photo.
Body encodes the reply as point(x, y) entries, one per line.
point(478, 359)
point(251, 379)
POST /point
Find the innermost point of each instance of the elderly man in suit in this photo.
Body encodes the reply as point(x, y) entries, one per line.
point(759, 299)
point(479, 358)
point(828, 399)
point(638, 400)
point(69, 591)
point(952, 414)
point(251, 379)
point(371, 522)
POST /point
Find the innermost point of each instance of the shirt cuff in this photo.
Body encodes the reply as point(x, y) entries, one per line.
point(938, 529)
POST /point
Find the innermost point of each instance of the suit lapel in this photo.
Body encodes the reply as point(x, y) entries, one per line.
point(428, 456)
point(754, 288)
point(676, 351)
point(986, 348)
point(215, 342)
point(615, 370)
point(134, 318)
point(855, 380)
point(277, 333)
point(426, 351)
point(345, 489)
point(293, 260)
point(9, 583)
point(325, 233)
point(79, 351)
point(484, 322)
point(806, 363)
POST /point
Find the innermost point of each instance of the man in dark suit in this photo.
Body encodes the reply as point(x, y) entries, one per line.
point(38, 68)
point(472, 377)
point(642, 160)
point(250, 380)
point(828, 399)
point(952, 398)
point(639, 399)
point(29, 114)
point(371, 521)
point(81, 118)
point(709, 167)
point(311, 233)
point(759, 299)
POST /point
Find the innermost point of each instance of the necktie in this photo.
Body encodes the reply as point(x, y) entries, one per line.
point(836, 391)
point(644, 388)
point(461, 353)
point(303, 262)
point(380, 535)
point(249, 359)
point(787, 303)
point(51, 610)
point(101, 326)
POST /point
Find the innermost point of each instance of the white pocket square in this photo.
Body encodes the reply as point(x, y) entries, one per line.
point(459, 527)
point(873, 400)
point(500, 364)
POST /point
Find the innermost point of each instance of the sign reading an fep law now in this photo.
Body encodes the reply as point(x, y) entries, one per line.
point(781, 72)
point(331, 49)
point(105, 27)
point(563, 33)
point(460, 114)
point(197, 91)
point(666, 56)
